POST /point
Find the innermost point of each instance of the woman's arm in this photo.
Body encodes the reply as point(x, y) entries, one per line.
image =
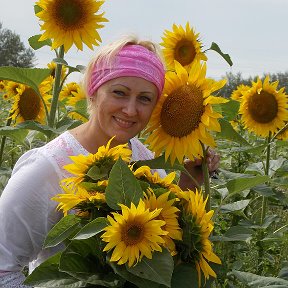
point(26, 213)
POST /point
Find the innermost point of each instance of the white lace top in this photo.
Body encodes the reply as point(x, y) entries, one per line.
point(26, 211)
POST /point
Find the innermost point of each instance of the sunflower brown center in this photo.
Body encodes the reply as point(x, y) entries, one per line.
point(2, 86)
point(182, 110)
point(29, 104)
point(69, 13)
point(184, 52)
point(133, 234)
point(263, 107)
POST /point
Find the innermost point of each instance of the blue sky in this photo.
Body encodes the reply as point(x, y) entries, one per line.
point(251, 31)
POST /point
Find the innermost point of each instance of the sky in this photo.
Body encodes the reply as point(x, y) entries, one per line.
point(253, 32)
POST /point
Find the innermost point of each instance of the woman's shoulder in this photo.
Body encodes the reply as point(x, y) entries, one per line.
point(52, 156)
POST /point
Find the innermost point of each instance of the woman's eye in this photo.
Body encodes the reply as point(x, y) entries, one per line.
point(119, 93)
point(145, 99)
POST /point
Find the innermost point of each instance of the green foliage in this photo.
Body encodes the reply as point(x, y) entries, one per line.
point(62, 230)
point(29, 76)
point(123, 187)
point(159, 269)
point(216, 48)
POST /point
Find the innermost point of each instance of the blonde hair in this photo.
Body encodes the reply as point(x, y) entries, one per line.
point(106, 54)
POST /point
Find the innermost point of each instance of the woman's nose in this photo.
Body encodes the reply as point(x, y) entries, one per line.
point(130, 108)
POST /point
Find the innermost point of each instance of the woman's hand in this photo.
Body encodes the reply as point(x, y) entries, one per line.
point(195, 170)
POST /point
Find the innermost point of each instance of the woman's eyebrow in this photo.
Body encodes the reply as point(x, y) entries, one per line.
point(122, 86)
point(118, 84)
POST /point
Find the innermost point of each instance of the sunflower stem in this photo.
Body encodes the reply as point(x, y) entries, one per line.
point(3, 140)
point(267, 166)
point(207, 192)
point(56, 89)
point(263, 209)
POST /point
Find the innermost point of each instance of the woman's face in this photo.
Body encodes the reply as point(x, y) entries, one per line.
point(122, 107)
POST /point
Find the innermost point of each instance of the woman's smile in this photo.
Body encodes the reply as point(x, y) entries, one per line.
point(124, 123)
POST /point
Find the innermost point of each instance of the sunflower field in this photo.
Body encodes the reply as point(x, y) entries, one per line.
point(133, 227)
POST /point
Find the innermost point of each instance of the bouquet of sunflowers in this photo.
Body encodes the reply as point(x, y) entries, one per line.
point(125, 226)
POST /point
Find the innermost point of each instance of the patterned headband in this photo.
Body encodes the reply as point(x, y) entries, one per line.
point(131, 60)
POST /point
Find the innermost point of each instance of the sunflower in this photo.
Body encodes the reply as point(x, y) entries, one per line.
point(264, 108)
point(5, 97)
point(68, 91)
point(2, 86)
point(134, 233)
point(70, 22)
point(197, 228)
point(79, 199)
point(12, 88)
point(52, 66)
point(27, 104)
point(182, 45)
point(145, 173)
point(283, 135)
point(72, 94)
point(239, 91)
point(168, 214)
point(184, 114)
point(102, 161)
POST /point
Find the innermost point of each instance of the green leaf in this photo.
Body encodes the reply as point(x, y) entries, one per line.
point(235, 206)
point(37, 9)
point(62, 230)
point(92, 228)
point(235, 233)
point(60, 61)
point(75, 262)
point(256, 281)
point(138, 281)
point(284, 272)
point(78, 68)
point(259, 167)
point(65, 124)
point(216, 48)
point(36, 44)
point(227, 132)
point(229, 110)
point(249, 149)
point(238, 185)
point(28, 76)
point(160, 163)
point(90, 246)
point(264, 190)
point(104, 279)
point(185, 275)
point(123, 187)
point(78, 261)
point(47, 274)
point(92, 186)
point(33, 125)
point(159, 269)
point(97, 173)
point(18, 134)
point(228, 175)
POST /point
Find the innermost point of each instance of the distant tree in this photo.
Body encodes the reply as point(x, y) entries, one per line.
point(13, 51)
point(234, 80)
point(282, 78)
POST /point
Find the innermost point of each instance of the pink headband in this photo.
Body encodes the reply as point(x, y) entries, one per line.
point(131, 60)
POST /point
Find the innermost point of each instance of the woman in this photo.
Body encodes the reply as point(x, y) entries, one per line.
point(123, 83)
